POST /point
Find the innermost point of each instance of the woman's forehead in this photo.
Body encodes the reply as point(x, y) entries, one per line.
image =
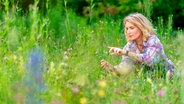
point(127, 24)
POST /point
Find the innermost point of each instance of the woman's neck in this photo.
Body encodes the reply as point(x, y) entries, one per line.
point(139, 41)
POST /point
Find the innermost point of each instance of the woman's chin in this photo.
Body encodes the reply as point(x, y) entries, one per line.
point(131, 39)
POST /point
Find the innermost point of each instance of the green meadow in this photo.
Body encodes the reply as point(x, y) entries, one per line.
point(54, 58)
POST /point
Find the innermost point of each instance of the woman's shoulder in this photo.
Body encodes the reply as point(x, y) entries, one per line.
point(153, 39)
point(129, 45)
point(152, 36)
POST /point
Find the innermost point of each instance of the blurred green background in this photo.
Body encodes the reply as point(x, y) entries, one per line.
point(114, 8)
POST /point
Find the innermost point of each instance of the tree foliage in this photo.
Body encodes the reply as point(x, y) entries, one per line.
point(160, 8)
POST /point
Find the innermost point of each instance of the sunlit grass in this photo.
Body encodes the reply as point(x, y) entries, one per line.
point(71, 67)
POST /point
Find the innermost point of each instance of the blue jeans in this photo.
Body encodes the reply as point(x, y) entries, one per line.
point(158, 70)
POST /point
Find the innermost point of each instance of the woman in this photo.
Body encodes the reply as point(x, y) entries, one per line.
point(142, 48)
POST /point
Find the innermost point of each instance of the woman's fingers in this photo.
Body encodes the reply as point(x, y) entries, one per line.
point(104, 64)
point(118, 51)
point(111, 50)
point(115, 51)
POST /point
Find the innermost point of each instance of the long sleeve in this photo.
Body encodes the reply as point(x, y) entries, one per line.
point(154, 52)
point(129, 47)
point(150, 54)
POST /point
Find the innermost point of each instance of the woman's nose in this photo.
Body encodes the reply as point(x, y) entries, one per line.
point(128, 31)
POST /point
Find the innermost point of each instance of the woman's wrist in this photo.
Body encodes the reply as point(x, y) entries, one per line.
point(111, 67)
point(126, 54)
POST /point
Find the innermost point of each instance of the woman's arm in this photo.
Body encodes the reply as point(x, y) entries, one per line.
point(148, 57)
point(134, 56)
point(118, 51)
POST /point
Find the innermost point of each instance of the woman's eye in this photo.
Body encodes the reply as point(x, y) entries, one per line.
point(131, 27)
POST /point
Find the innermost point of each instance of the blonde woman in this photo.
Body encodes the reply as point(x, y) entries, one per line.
point(143, 47)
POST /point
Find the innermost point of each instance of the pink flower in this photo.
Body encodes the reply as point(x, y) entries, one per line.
point(160, 93)
point(169, 74)
point(75, 90)
point(117, 90)
point(118, 102)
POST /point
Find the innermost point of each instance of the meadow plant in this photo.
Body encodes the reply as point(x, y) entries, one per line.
point(147, 8)
point(91, 10)
point(33, 79)
point(179, 71)
point(70, 63)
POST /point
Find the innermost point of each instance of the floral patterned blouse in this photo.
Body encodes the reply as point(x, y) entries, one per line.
point(153, 53)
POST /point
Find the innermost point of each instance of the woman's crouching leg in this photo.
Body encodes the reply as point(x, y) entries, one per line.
point(124, 68)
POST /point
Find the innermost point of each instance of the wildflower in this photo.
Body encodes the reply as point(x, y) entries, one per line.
point(65, 57)
point(58, 94)
point(175, 91)
point(149, 80)
point(119, 102)
point(169, 74)
point(65, 53)
point(101, 93)
point(52, 65)
point(117, 90)
point(160, 93)
point(75, 90)
point(56, 102)
point(14, 57)
point(102, 83)
point(33, 78)
point(83, 100)
point(64, 64)
point(69, 50)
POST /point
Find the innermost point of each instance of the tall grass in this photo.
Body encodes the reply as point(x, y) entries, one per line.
point(72, 51)
point(67, 23)
point(147, 9)
point(181, 60)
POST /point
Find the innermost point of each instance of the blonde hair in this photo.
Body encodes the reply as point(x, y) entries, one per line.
point(141, 22)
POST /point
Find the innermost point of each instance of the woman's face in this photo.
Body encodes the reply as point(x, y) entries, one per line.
point(133, 33)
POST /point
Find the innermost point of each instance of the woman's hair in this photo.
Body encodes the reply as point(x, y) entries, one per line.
point(141, 22)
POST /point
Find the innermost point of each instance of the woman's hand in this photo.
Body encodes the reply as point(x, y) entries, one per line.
point(116, 51)
point(105, 65)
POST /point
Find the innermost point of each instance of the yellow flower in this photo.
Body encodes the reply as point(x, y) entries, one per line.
point(52, 66)
point(14, 57)
point(102, 83)
point(83, 100)
point(101, 93)
point(149, 80)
